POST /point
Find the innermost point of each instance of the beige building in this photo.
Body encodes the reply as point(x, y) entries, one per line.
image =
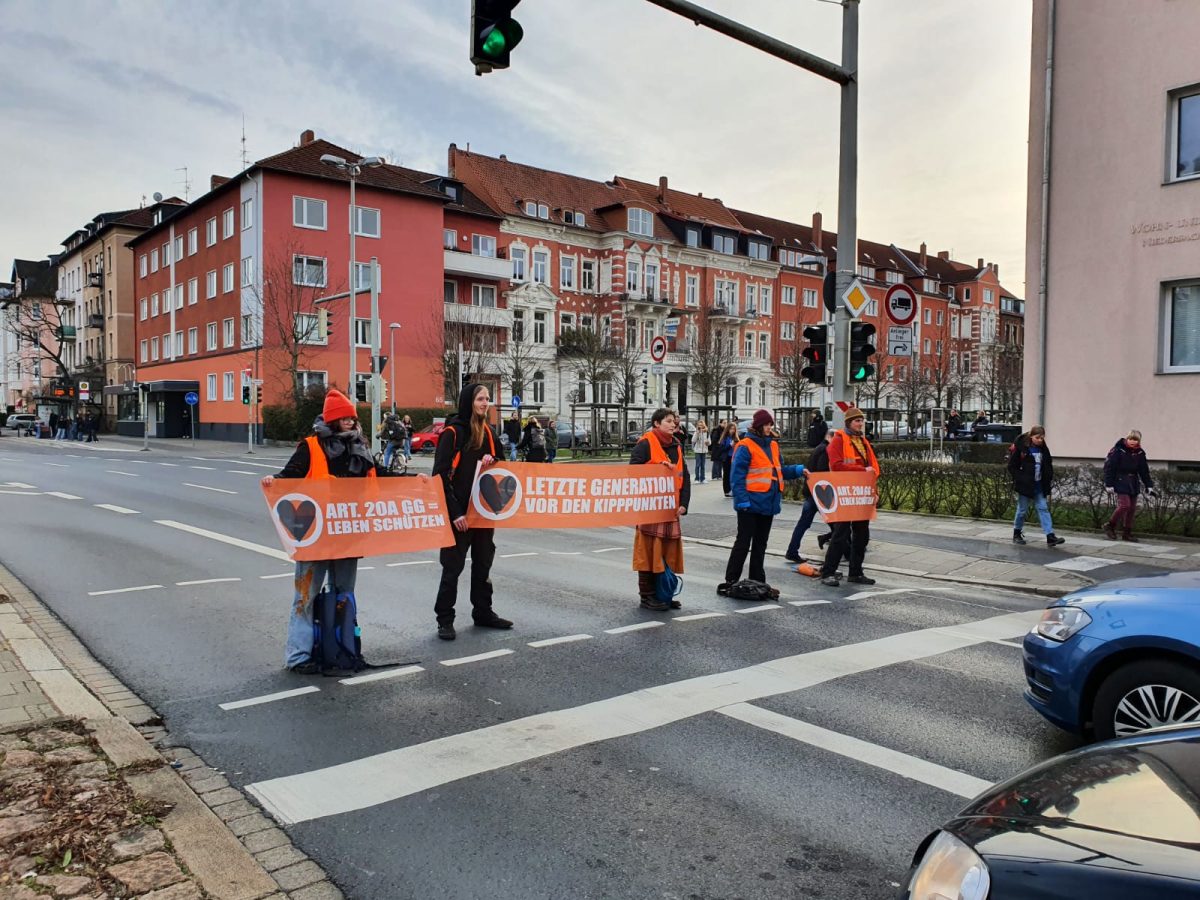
point(1113, 227)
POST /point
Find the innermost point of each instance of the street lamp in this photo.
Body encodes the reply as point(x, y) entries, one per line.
point(353, 170)
point(392, 329)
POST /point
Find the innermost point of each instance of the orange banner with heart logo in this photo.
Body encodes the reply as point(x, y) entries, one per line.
point(844, 496)
point(339, 518)
point(536, 495)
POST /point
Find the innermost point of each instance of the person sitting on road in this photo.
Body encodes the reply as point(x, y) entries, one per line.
point(1032, 470)
point(658, 545)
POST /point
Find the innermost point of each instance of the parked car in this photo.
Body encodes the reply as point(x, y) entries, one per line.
point(1113, 821)
point(20, 422)
point(426, 441)
point(565, 434)
point(1119, 657)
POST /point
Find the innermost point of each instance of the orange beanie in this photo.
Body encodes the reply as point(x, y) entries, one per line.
point(337, 406)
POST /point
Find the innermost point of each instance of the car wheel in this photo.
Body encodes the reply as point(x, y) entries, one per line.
point(1145, 695)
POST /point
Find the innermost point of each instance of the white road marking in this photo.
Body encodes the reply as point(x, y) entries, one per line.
point(21, 484)
point(809, 602)
point(415, 562)
point(609, 549)
point(204, 581)
point(116, 509)
point(270, 698)
point(140, 587)
point(512, 555)
point(172, 465)
point(380, 676)
point(911, 767)
point(246, 462)
point(365, 568)
point(1170, 556)
point(224, 539)
point(566, 553)
point(241, 472)
point(383, 777)
point(694, 616)
point(205, 468)
point(128, 474)
point(751, 609)
point(1082, 563)
point(62, 495)
point(638, 627)
point(1009, 644)
point(280, 575)
point(463, 660)
point(205, 487)
point(21, 493)
point(566, 639)
point(57, 465)
point(863, 595)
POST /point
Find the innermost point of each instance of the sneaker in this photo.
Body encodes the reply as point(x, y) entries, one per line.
point(654, 605)
point(446, 632)
point(308, 667)
point(823, 539)
point(493, 621)
point(1109, 531)
point(860, 579)
point(1054, 540)
point(831, 580)
point(729, 495)
point(1018, 538)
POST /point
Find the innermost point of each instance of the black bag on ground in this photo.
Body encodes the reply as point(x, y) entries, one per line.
point(754, 591)
point(337, 639)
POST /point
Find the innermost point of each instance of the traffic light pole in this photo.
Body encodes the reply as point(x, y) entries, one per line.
point(376, 338)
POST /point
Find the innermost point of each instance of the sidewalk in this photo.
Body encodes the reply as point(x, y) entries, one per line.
point(93, 807)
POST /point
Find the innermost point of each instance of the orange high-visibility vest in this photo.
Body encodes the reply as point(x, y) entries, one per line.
point(318, 465)
point(762, 471)
point(659, 455)
point(457, 456)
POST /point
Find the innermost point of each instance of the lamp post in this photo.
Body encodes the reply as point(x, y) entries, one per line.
point(392, 329)
point(353, 170)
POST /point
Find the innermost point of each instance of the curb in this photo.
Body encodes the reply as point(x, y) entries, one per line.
point(233, 851)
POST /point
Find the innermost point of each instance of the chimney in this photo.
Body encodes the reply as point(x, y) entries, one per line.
point(215, 181)
point(662, 188)
point(307, 137)
point(924, 255)
point(995, 269)
point(504, 156)
point(817, 234)
point(980, 263)
point(944, 255)
point(450, 153)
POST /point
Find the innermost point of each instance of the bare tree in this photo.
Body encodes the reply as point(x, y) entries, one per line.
point(912, 387)
point(463, 341)
point(628, 366)
point(712, 355)
point(39, 322)
point(517, 364)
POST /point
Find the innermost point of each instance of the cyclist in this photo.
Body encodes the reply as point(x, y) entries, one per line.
point(392, 430)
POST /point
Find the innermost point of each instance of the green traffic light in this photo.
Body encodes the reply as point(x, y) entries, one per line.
point(500, 39)
point(862, 373)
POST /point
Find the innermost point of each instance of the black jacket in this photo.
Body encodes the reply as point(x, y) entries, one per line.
point(1126, 469)
point(818, 461)
point(512, 430)
point(297, 466)
point(641, 456)
point(457, 439)
point(817, 431)
point(532, 453)
point(1021, 466)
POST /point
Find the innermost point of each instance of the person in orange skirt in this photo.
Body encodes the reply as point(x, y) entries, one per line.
point(660, 544)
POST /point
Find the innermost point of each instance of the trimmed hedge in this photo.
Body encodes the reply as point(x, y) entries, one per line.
point(284, 422)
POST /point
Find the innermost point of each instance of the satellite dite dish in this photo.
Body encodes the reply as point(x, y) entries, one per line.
point(157, 197)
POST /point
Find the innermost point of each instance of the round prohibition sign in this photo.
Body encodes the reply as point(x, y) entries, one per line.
point(901, 304)
point(658, 349)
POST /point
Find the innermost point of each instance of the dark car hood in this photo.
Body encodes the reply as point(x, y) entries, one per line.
point(1130, 807)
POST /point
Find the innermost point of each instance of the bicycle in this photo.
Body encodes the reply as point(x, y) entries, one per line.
point(398, 465)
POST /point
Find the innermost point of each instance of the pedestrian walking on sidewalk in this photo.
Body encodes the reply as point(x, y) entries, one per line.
point(551, 439)
point(512, 431)
point(757, 480)
point(700, 444)
point(1125, 471)
point(818, 428)
point(818, 461)
point(659, 545)
point(337, 448)
point(714, 449)
point(1032, 468)
point(533, 441)
point(725, 453)
point(471, 442)
point(849, 451)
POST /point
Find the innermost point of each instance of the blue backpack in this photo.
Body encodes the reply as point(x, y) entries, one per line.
point(337, 639)
point(667, 585)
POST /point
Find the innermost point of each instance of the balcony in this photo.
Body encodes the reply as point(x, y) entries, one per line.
point(481, 316)
point(647, 301)
point(95, 279)
point(721, 311)
point(95, 320)
point(1013, 307)
point(472, 266)
point(66, 333)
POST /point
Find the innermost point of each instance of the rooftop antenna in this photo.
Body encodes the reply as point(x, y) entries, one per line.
point(187, 184)
point(245, 157)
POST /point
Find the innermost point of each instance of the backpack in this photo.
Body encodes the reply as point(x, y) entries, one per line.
point(394, 431)
point(337, 639)
point(667, 585)
point(537, 439)
point(754, 591)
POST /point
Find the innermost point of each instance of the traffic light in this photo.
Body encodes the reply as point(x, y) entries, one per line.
point(817, 353)
point(324, 324)
point(246, 394)
point(384, 385)
point(360, 392)
point(862, 348)
point(494, 32)
point(645, 385)
point(258, 394)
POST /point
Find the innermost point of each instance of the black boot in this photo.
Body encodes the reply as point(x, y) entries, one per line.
point(1053, 540)
point(1018, 538)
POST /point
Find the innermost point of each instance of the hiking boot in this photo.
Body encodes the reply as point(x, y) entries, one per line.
point(1018, 538)
point(1109, 531)
point(1053, 540)
point(1126, 536)
point(654, 605)
point(723, 588)
point(493, 621)
point(860, 579)
point(446, 632)
point(675, 604)
point(831, 580)
point(823, 539)
point(793, 557)
point(308, 667)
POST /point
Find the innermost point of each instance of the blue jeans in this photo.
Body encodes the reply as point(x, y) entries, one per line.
point(1038, 500)
point(310, 577)
point(388, 452)
point(807, 514)
point(512, 452)
point(700, 458)
point(408, 449)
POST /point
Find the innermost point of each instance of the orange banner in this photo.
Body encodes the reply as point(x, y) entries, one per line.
point(844, 496)
point(536, 495)
point(338, 518)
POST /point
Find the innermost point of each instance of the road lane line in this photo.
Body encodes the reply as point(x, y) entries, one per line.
point(62, 495)
point(205, 487)
point(205, 468)
point(910, 767)
point(380, 676)
point(224, 539)
point(57, 465)
point(21, 484)
point(21, 493)
point(753, 609)
point(246, 462)
point(280, 575)
point(512, 555)
point(402, 772)
point(172, 465)
point(241, 472)
point(566, 553)
point(463, 660)
point(117, 509)
point(609, 549)
point(1009, 644)
point(140, 587)
point(638, 627)
point(204, 581)
point(269, 698)
point(127, 474)
point(863, 595)
point(809, 602)
point(566, 639)
point(413, 562)
point(694, 616)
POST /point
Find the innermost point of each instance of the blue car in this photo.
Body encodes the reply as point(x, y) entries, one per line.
point(1117, 658)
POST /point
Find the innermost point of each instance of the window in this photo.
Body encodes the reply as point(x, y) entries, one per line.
point(723, 243)
point(145, 350)
point(306, 213)
point(308, 271)
point(928, 316)
point(967, 294)
point(177, 345)
point(519, 257)
point(449, 239)
point(764, 346)
point(530, 208)
point(941, 317)
point(648, 333)
point(311, 379)
point(762, 393)
point(193, 237)
point(787, 295)
point(249, 338)
point(518, 326)
point(587, 276)
point(765, 306)
point(541, 266)
point(1182, 328)
point(751, 298)
point(893, 277)
point(366, 222)
point(641, 222)
point(810, 298)
point(585, 322)
point(178, 298)
point(143, 307)
point(580, 219)
point(227, 329)
point(228, 379)
point(543, 211)
point(483, 295)
point(449, 292)
point(247, 213)
point(787, 331)
point(925, 346)
point(142, 265)
point(362, 332)
point(566, 273)
point(153, 348)
point(210, 335)
point(154, 304)
point(178, 248)
point(730, 392)
point(1185, 134)
point(539, 328)
point(989, 296)
point(227, 278)
point(633, 275)
point(726, 294)
point(210, 284)
point(749, 391)
point(166, 254)
point(759, 250)
point(950, 291)
point(938, 349)
point(566, 320)
point(692, 290)
point(247, 271)
point(483, 245)
point(539, 385)
point(748, 346)
point(693, 237)
point(953, 326)
point(211, 393)
point(227, 223)
point(154, 260)
point(966, 362)
point(931, 286)
point(193, 291)
point(362, 277)
point(193, 340)
point(210, 232)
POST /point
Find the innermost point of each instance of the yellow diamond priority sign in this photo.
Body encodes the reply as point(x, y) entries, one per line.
point(856, 298)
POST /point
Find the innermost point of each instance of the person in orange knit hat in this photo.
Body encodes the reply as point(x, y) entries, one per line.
point(849, 451)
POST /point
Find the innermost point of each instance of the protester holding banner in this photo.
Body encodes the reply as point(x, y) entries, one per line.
point(659, 545)
point(849, 451)
point(336, 449)
point(757, 477)
point(466, 443)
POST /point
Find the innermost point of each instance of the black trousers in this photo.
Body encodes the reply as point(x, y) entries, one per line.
point(752, 533)
point(725, 477)
point(847, 539)
point(482, 545)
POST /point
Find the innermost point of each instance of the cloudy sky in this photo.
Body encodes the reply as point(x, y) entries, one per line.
point(104, 102)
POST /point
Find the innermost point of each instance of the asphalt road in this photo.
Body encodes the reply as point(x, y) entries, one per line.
point(801, 749)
